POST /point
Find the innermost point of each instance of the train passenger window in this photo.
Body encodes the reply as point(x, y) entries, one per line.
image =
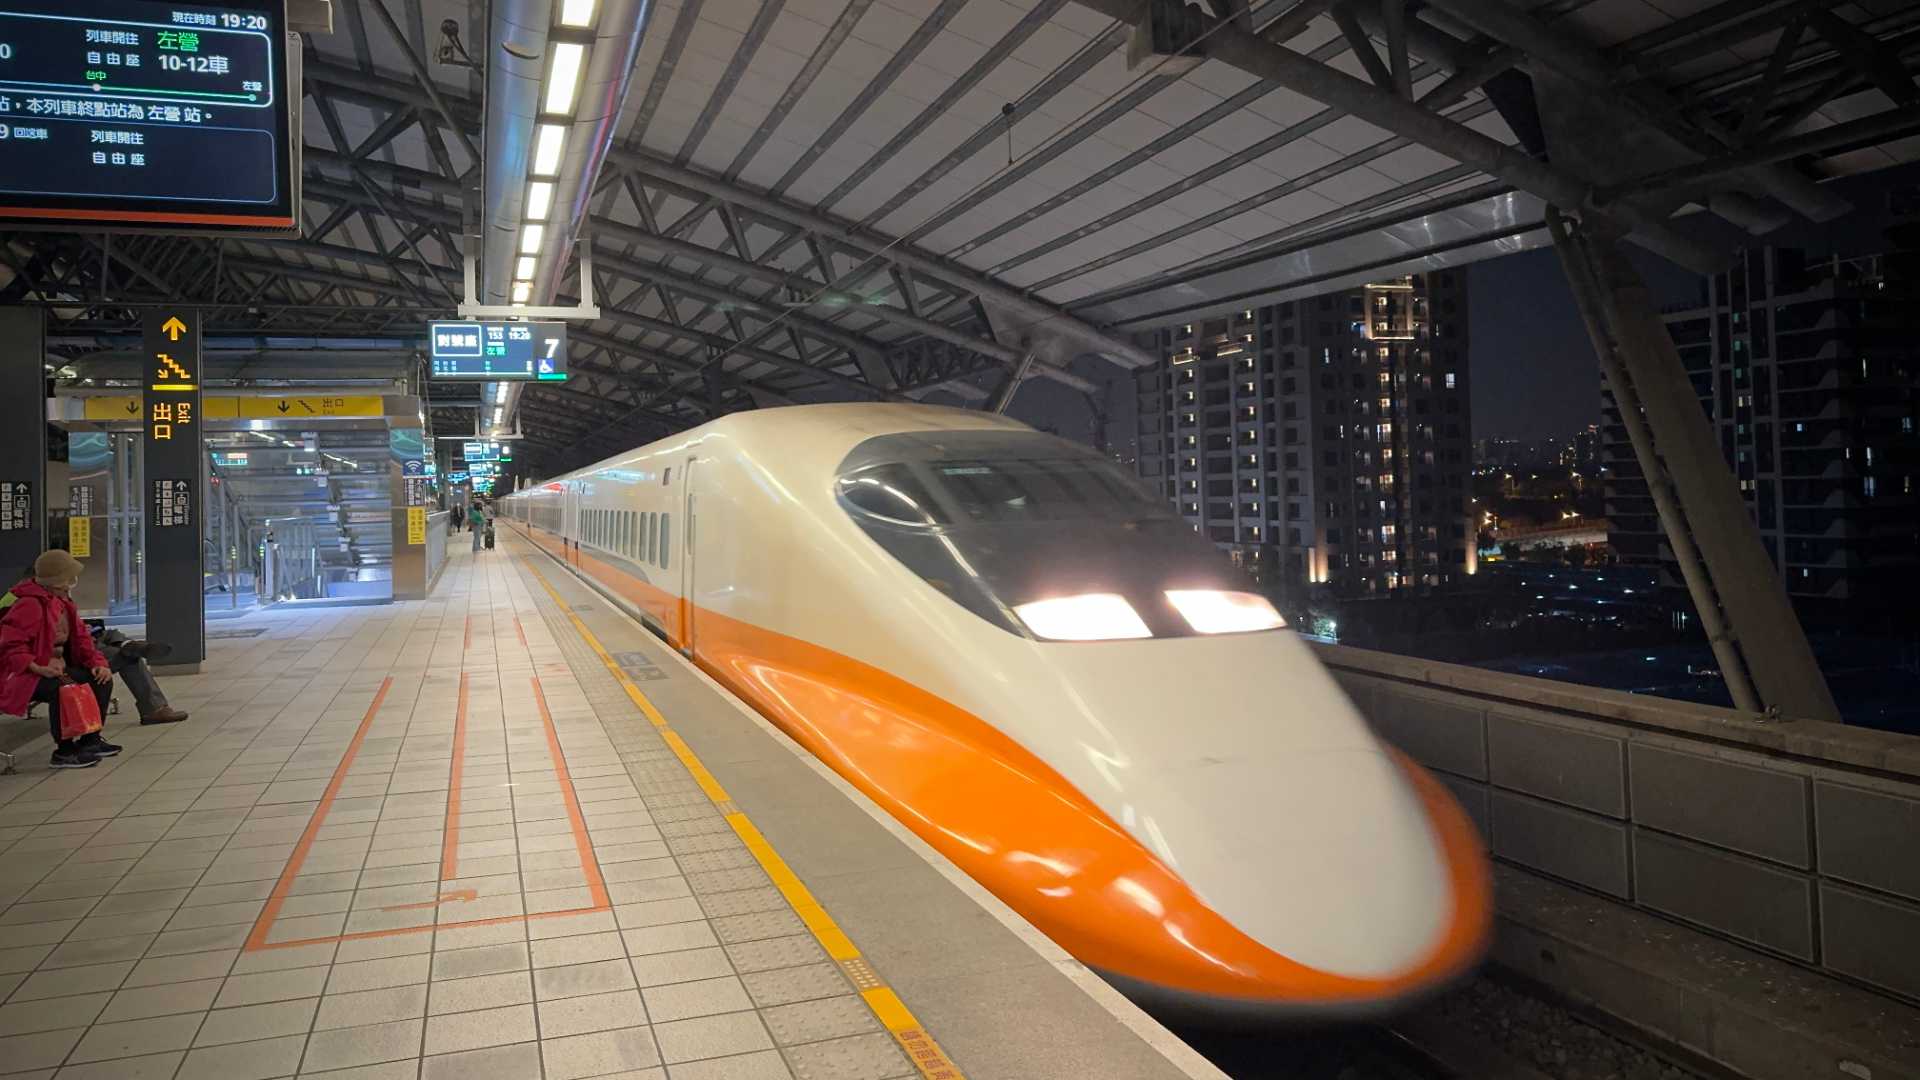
point(666, 536)
point(652, 531)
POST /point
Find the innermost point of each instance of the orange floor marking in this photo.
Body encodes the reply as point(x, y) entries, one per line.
point(278, 898)
point(589, 866)
point(460, 895)
point(466, 642)
point(522, 634)
point(450, 839)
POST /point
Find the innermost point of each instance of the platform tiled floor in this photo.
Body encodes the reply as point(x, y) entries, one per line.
point(421, 841)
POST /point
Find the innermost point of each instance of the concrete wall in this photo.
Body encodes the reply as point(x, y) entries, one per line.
point(1796, 837)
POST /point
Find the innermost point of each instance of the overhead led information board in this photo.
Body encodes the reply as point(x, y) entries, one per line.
point(496, 351)
point(139, 114)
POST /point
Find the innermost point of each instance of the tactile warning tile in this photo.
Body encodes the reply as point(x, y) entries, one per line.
point(716, 843)
point(823, 1018)
point(855, 1057)
point(702, 825)
point(756, 925)
point(723, 880)
point(783, 986)
point(775, 953)
point(739, 858)
point(742, 902)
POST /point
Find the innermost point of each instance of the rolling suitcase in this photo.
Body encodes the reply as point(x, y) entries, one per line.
point(489, 537)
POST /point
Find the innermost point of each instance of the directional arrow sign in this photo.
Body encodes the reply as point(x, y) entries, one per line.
point(283, 406)
point(173, 328)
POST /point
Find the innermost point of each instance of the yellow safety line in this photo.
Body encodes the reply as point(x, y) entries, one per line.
point(893, 1014)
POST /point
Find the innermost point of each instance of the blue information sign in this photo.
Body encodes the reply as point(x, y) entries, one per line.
point(494, 351)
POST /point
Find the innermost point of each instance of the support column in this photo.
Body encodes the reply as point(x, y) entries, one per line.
point(175, 459)
point(411, 499)
point(1742, 601)
point(23, 452)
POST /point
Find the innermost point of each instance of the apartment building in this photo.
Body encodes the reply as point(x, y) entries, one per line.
point(1323, 443)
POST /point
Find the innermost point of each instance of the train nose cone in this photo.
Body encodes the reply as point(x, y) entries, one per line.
point(1327, 858)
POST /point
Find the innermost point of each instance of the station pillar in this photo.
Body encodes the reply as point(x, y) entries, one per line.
point(23, 452)
point(175, 459)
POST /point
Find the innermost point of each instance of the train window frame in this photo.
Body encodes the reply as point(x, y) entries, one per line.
point(853, 487)
point(666, 540)
point(652, 538)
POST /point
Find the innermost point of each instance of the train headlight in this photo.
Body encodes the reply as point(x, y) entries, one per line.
point(1216, 611)
point(1089, 617)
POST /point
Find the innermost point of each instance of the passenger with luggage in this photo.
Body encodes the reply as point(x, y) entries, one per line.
point(477, 521)
point(46, 652)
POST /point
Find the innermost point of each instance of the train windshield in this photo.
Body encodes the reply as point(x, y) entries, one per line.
point(1043, 538)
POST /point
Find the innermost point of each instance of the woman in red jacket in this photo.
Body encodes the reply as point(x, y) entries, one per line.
point(42, 641)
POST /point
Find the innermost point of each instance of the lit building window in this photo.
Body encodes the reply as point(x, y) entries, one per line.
point(1449, 380)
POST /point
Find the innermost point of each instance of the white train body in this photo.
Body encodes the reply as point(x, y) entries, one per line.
point(1201, 816)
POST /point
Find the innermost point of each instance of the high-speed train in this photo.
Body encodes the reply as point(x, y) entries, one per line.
point(1040, 669)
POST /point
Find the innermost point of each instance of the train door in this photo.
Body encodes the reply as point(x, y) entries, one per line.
point(687, 596)
point(569, 520)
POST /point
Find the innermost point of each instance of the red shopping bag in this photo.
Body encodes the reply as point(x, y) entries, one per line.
point(79, 711)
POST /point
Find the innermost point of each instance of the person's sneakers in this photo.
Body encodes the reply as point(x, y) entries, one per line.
point(168, 715)
point(73, 759)
point(93, 744)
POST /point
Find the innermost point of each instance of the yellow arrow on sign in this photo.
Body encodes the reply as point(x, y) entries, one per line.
point(173, 327)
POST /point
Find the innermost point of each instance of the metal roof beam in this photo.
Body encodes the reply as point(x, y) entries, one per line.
point(1032, 313)
point(1383, 108)
point(1574, 59)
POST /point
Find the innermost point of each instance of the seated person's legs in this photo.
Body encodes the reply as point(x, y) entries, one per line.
point(86, 750)
point(128, 659)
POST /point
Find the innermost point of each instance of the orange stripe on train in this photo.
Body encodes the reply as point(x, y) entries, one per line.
point(1020, 829)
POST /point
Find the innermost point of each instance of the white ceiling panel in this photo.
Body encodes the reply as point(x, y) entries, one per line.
point(985, 21)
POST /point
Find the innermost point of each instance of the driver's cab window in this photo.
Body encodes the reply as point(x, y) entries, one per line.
point(891, 493)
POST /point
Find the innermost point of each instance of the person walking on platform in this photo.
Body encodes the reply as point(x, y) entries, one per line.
point(477, 521)
point(42, 643)
point(128, 659)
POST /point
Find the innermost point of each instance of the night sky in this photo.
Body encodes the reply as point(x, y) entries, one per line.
point(1534, 375)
